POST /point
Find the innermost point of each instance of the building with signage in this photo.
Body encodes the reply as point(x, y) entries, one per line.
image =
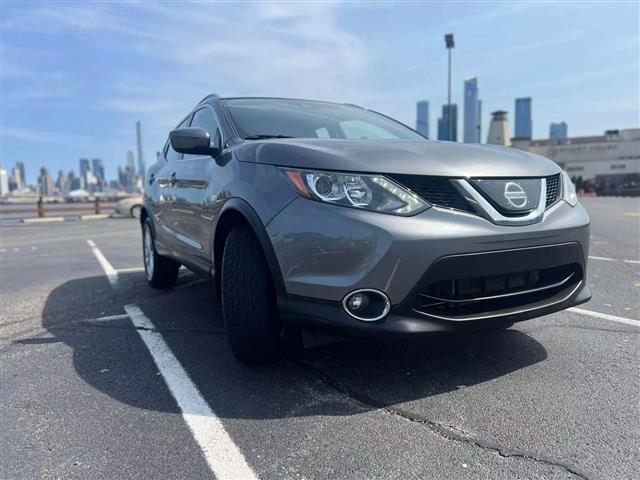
point(610, 161)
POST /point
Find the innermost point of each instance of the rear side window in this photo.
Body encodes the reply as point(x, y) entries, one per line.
point(169, 153)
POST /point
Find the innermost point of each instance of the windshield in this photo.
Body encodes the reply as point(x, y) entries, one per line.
point(256, 118)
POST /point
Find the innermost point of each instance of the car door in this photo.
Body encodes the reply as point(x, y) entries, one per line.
point(165, 180)
point(193, 173)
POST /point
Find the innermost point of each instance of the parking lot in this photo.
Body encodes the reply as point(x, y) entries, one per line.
point(103, 377)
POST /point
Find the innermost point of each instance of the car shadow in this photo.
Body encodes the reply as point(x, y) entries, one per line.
point(342, 378)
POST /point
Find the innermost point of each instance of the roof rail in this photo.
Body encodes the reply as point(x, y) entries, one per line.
point(353, 105)
point(211, 95)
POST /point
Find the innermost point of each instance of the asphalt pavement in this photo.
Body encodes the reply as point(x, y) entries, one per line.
point(104, 377)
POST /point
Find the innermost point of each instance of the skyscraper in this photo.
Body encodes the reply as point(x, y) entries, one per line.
point(499, 129)
point(130, 174)
point(23, 175)
point(558, 131)
point(524, 126)
point(61, 181)
point(98, 169)
point(422, 117)
point(45, 182)
point(472, 116)
point(84, 168)
point(443, 124)
point(141, 167)
point(16, 176)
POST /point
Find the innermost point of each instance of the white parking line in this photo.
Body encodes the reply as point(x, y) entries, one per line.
point(108, 318)
point(132, 269)
point(112, 274)
point(606, 316)
point(606, 259)
point(223, 456)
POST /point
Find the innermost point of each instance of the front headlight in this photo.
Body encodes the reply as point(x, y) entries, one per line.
point(568, 190)
point(367, 192)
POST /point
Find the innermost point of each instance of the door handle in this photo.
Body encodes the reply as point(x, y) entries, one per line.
point(173, 180)
point(152, 178)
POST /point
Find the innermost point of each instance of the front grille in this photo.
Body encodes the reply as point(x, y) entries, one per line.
point(553, 190)
point(486, 284)
point(436, 190)
point(477, 296)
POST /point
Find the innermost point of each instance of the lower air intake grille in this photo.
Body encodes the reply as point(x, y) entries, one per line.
point(436, 190)
point(553, 190)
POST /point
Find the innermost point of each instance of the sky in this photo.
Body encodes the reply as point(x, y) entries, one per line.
point(75, 77)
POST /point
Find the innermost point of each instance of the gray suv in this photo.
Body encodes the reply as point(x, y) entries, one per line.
point(318, 215)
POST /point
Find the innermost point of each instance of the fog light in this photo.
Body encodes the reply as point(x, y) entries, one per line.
point(357, 301)
point(367, 305)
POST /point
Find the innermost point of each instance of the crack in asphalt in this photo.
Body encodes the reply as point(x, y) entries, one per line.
point(448, 432)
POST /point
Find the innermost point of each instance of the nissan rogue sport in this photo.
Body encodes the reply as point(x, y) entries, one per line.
point(310, 214)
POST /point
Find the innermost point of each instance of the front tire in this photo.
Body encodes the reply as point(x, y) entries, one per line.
point(256, 333)
point(161, 272)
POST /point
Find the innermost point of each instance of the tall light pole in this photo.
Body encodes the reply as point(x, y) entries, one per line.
point(448, 40)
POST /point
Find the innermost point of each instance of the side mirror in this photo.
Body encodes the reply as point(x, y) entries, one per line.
point(194, 141)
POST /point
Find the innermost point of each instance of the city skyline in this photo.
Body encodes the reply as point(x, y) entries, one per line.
point(341, 52)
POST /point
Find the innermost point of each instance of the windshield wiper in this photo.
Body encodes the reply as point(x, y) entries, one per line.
point(261, 137)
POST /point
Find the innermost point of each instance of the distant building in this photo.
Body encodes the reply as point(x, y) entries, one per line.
point(141, 166)
point(128, 175)
point(73, 182)
point(4, 182)
point(422, 117)
point(608, 161)
point(23, 174)
point(443, 124)
point(499, 129)
point(45, 182)
point(16, 178)
point(558, 131)
point(98, 169)
point(472, 112)
point(61, 181)
point(524, 124)
point(84, 168)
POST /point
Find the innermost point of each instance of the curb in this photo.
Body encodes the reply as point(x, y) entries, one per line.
point(43, 220)
point(95, 216)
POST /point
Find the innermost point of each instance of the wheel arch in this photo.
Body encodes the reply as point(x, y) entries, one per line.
point(237, 212)
point(144, 214)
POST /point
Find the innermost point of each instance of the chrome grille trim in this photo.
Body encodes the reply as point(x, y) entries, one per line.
point(487, 210)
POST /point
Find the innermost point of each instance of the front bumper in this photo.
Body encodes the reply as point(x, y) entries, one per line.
point(325, 252)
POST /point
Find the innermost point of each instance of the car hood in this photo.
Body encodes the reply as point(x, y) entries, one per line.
point(423, 157)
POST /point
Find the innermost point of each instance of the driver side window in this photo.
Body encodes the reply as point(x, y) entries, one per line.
point(204, 118)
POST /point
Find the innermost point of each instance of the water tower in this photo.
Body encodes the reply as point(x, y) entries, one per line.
point(499, 129)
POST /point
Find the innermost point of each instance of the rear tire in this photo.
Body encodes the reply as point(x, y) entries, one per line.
point(256, 333)
point(160, 271)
